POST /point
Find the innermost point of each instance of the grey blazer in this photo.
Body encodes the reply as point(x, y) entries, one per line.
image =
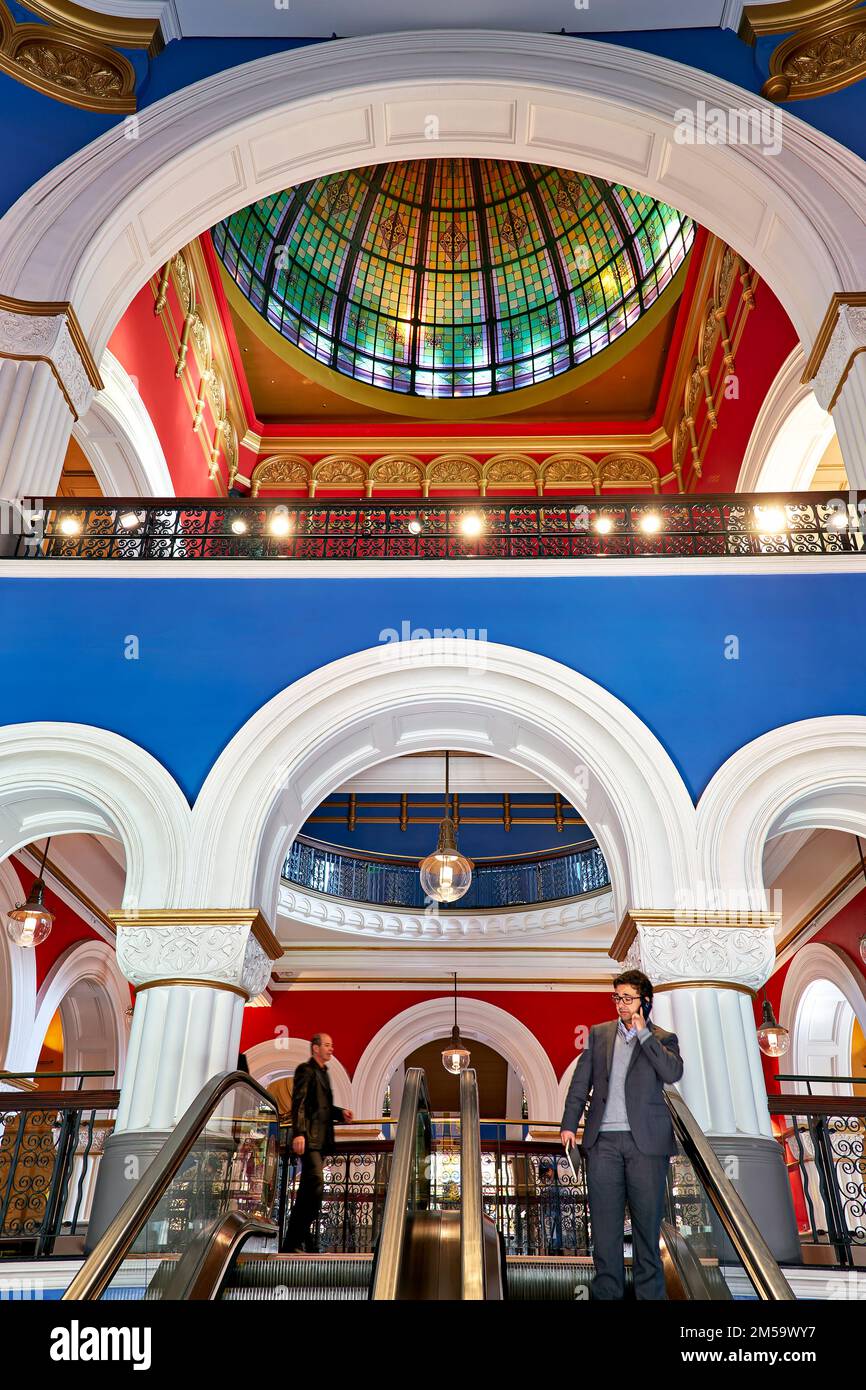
point(654, 1064)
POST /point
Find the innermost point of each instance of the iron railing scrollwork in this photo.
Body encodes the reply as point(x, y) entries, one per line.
point(495, 885)
point(733, 525)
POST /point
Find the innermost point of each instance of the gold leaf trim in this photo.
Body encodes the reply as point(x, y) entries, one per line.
point(819, 59)
point(116, 30)
point(66, 66)
point(759, 20)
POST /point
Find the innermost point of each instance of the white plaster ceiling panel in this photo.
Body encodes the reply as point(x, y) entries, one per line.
point(408, 121)
point(344, 134)
point(583, 137)
point(315, 18)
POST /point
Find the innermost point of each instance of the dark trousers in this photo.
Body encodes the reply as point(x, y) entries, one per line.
point(308, 1200)
point(617, 1172)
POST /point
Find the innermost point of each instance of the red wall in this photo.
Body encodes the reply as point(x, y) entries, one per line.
point(66, 930)
point(354, 1017)
point(140, 343)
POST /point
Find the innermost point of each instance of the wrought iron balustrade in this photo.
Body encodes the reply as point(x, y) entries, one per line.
point(733, 525)
point(391, 882)
point(50, 1147)
point(822, 1138)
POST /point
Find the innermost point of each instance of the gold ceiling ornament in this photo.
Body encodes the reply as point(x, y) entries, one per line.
point(628, 470)
point(568, 469)
point(510, 470)
point(784, 16)
point(277, 472)
point(66, 65)
point(824, 57)
point(339, 472)
point(395, 471)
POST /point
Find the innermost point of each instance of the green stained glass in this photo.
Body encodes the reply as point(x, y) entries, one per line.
point(454, 277)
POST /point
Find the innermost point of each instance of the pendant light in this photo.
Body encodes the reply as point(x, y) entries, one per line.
point(446, 873)
point(773, 1039)
point(455, 1057)
point(30, 922)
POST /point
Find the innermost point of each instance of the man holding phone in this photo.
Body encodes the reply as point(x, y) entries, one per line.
point(628, 1137)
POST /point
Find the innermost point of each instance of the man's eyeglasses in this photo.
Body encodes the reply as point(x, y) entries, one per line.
point(625, 998)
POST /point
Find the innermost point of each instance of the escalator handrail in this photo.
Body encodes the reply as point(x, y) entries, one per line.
point(472, 1274)
point(110, 1250)
point(757, 1259)
point(201, 1270)
point(389, 1258)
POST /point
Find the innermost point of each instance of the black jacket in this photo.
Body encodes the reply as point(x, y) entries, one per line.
point(313, 1108)
point(653, 1065)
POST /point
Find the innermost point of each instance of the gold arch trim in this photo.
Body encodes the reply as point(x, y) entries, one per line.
point(117, 30)
point(66, 65)
point(349, 473)
point(822, 58)
point(759, 20)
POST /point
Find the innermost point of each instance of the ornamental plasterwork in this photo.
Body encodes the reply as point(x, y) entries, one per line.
point(313, 910)
point(734, 955)
point(820, 58)
point(65, 65)
point(227, 954)
point(849, 338)
point(47, 336)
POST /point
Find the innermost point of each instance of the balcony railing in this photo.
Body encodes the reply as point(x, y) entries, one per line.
point(734, 525)
point(392, 882)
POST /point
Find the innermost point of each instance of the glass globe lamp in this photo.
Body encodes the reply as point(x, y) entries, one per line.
point(773, 1039)
point(455, 1057)
point(446, 874)
point(30, 922)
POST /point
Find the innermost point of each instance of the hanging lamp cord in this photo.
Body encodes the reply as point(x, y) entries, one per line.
point(45, 856)
point(862, 860)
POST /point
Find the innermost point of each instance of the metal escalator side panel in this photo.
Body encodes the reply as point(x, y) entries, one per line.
point(685, 1277)
point(472, 1281)
point(758, 1261)
point(110, 1250)
point(202, 1270)
point(407, 1185)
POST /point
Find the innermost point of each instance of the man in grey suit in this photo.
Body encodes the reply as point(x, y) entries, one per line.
point(628, 1137)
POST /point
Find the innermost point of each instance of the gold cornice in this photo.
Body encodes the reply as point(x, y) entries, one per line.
point(155, 917)
point(34, 308)
point(713, 253)
point(209, 310)
point(199, 984)
point(83, 89)
point(435, 444)
point(854, 299)
point(686, 919)
point(173, 336)
point(116, 30)
point(482, 408)
point(758, 20)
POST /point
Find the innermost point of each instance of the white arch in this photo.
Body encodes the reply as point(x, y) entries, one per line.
point(790, 436)
point(17, 981)
point(87, 985)
point(409, 696)
point(827, 969)
point(119, 440)
point(94, 228)
point(809, 774)
point(57, 779)
point(270, 1061)
point(433, 1018)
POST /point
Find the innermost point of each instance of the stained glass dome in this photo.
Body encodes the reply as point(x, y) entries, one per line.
point(453, 277)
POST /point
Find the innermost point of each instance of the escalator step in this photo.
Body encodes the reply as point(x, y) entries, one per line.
point(554, 1280)
point(311, 1277)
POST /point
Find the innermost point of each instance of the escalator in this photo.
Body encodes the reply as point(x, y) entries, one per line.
point(190, 1225)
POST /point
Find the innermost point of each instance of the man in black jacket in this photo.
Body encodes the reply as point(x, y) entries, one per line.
point(628, 1137)
point(313, 1116)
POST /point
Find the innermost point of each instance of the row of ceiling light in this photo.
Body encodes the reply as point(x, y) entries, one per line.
point(767, 521)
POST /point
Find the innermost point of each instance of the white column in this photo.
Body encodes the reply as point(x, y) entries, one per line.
point(192, 980)
point(840, 387)
point(47, 381)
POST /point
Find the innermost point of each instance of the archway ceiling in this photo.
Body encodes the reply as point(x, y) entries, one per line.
point(306, 19)
point(455, 284)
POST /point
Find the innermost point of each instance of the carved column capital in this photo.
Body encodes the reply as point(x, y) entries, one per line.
point(841, 337)
point(724, 949)
point(224, 948)
point(43, 332)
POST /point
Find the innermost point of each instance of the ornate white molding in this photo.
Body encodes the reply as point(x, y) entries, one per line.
point(790, 435)
point(119, 440)
point(160, 947)
point(688, 955)
point(811, 773)
point(333, 914)
point(49, 332)
point(96, 227)
point(848, 340)
point(58, 778)
point(818, 964)
point(407, 697)
point(433, 1018)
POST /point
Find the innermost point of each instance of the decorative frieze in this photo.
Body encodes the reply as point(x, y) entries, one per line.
point(34, 332)
point(66, 64)
point(221, 948)
point(688, 948)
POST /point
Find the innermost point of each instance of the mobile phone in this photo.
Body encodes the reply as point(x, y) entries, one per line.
point(646, 1004)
